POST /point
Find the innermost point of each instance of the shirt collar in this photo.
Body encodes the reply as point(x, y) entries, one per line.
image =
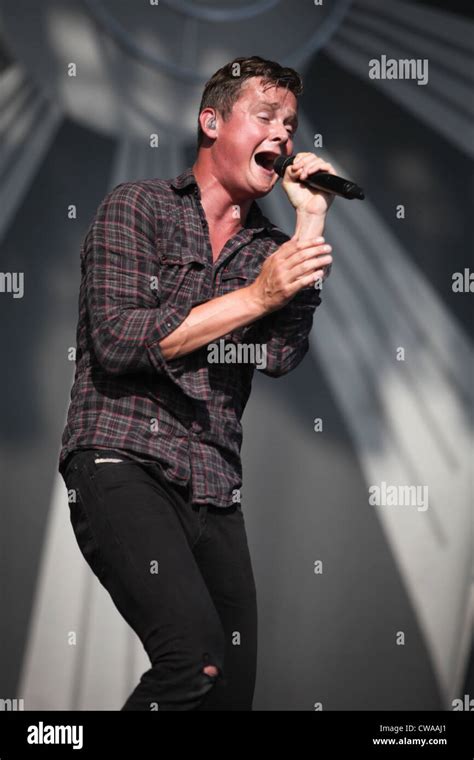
point(255, 218)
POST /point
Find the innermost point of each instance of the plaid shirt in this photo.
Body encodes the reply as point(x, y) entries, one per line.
point(146, 261)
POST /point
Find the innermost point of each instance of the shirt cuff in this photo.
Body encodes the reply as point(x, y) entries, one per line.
point(178, 370)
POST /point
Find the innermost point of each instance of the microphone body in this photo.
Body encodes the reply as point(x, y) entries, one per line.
point(329, 183)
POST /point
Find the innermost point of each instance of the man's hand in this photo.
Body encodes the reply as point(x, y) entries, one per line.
point(305, 199)
point(293, 266)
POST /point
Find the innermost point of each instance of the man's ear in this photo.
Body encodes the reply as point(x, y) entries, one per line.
point(208, 121)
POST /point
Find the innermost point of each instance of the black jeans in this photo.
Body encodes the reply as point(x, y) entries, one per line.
point(179, 573)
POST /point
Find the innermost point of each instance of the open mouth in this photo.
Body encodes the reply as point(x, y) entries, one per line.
point(264, 159)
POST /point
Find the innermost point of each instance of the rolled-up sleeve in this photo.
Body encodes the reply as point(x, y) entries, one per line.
point(285, 333)
point(121, 275)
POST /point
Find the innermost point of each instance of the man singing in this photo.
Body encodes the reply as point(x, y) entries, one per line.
point(151, 450)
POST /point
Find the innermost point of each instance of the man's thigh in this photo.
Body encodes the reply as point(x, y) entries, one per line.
point(128, 529)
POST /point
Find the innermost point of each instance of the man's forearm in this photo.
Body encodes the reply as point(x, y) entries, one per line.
point(212, 320)
point(308, 226)
point(217, 317)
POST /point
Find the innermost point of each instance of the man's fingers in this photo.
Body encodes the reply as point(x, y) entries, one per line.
point(308, 163)
point(294, 246)
point(298, 257)
point(311, 168)
point(310, 279)
point(307, 279)
point(312, 265)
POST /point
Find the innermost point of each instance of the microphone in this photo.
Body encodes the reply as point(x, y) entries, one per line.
point(321, 180)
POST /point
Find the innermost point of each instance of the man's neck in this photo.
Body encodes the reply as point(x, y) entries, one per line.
point(223, 213)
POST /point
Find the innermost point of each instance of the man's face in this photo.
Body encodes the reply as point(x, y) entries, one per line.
point(261, 127)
